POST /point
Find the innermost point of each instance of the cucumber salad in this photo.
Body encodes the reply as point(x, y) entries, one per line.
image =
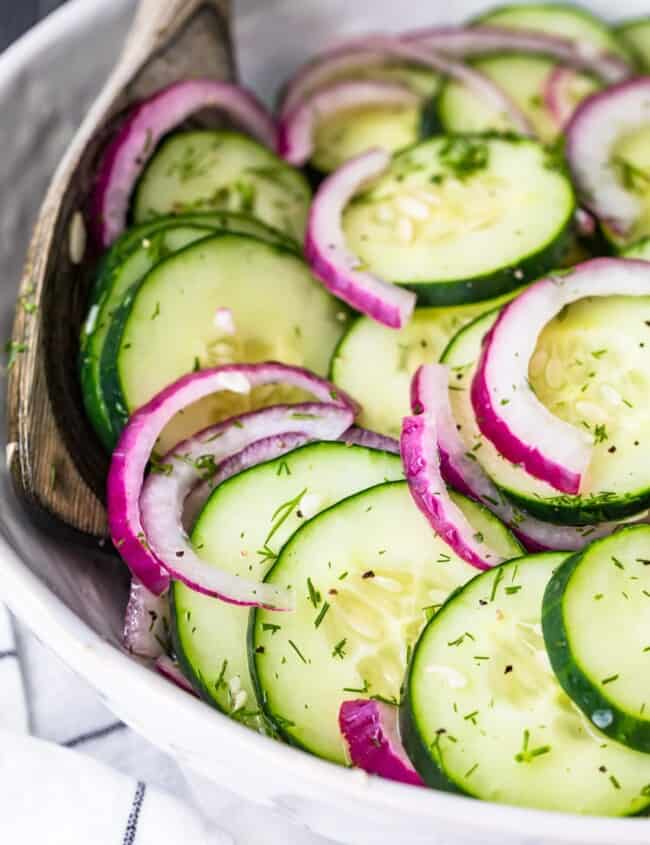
point(372, 370)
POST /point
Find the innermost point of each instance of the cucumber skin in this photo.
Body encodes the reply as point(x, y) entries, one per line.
point(497, 283)
point(626, 729)
point(580, 512)
point(416, 748)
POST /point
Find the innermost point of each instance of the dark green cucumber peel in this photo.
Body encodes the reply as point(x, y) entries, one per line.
point(579, 510)
point(590, 698)
point(498, 283)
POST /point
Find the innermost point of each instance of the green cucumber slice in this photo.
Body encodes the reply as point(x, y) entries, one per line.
point(376, 570)
point(631, 157)
point(126, 264)
point(375, 364)
point(242, 527)
point(641, 249)
point(457, 219)
point(595, 620)
point(635, 35)
point(213, 170)
point(563, 19)
point(485, 715)
point(166, 327)
point(353, 131)
point(591, 374)
point(523, 78)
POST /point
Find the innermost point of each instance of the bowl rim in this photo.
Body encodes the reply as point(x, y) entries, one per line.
point(117, 676)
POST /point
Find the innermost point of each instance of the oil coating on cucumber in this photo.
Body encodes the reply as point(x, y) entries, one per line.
point(367, 573)
point(457, 219)
point(242, 528)
point(375, 364)
point(166, 327)
point(591, 373)
point(523, 78)
point(595, 616)
point(124, 267)
point(485, 715)
point(214, 170)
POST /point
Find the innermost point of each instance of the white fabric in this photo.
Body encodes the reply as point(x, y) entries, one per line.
point(82, 775)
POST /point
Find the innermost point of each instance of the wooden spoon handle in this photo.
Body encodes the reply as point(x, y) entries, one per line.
point(157, 21)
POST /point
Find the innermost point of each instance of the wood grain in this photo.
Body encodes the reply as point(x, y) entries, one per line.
point(56, 460)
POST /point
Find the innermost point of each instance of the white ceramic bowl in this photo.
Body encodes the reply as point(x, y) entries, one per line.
point(73, 598)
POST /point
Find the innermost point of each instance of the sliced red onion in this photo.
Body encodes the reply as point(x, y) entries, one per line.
point(557, 95)
point(507, 411)
point(484, 88)
point(331, 260)
point(297, 129)
point(421, 459)
point(130, 458)
point(357, 436)
point(371, 733)
point(344, 58)
point(162, 502)
point(169, 669)
point(146, 622)
point(147, 122)
point(596, 126)
point(465, 42)
point(260, 451)
point(430, 394)
point(585, 223)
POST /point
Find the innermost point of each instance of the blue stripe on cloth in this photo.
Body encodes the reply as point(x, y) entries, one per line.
point(132, 824)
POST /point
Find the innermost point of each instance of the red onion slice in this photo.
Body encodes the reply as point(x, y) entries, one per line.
point(430, 394)
point(421, 459)
point(480, 84)
point(357, 436)
point(134, 143)
point(597, 124)
point(507, 411)
point(371, 733)
point(130, 458)
point(465, 42)
point(169, 669)
point(162, 502)
point(146, 622)
point(297, 128)
point(331, 260)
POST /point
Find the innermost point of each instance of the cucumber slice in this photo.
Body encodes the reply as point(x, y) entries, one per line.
point(376, 570)
point(636, 36)
point(375, 364)
point(590, 373)
point(563, 19)
point(595, 620)
point(485, 715)
point(241, 529)
point(354, 131)
point(641, 250)
point(166, 328)
point(631, 156)
point(126, 264)
point(457, 219)
point(229, 221)
point(351, 132)
point(212, 170)
point(523, 78)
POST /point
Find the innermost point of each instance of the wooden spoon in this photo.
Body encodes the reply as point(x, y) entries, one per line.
point(56, 461)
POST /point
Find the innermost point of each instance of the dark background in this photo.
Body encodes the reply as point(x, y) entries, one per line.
point(16, 16)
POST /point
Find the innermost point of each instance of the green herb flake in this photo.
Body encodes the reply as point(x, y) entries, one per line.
point(609, 679)
point(269, 626)
point(321, 614)
point(297, 650)
point(314, 595)
point(339, 649)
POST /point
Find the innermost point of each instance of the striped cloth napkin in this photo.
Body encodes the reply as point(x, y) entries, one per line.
point(71, 774)
point(51, 793)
